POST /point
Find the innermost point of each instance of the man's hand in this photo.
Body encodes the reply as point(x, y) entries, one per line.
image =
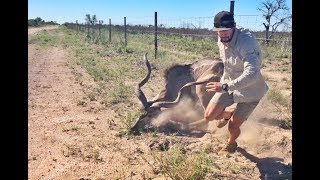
point(214, 87)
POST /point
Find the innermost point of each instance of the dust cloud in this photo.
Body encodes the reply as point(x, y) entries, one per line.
point(185, 112)
point(252, 133)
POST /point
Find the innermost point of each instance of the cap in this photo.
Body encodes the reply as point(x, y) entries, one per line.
point(223, 21)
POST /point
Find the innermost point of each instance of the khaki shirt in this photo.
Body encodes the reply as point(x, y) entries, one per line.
point(242, 60)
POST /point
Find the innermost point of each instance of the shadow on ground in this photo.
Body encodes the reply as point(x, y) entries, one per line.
point(275, 122)
point(170, 129)
point(270, 167)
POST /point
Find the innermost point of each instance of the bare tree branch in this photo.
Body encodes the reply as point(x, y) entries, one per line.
point(272, 14)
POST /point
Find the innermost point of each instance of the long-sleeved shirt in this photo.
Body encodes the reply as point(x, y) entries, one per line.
point(242, 59)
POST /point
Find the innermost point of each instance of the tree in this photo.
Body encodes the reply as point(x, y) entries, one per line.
point(35, 22)
point(94, 20)
point(93, 24)
point(276, 13)
point(39, 20)
point(88, 23)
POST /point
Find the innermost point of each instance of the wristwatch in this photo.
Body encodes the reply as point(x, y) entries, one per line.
point(225, 87)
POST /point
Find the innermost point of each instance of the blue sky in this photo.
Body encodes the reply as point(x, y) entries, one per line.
point(178, 13)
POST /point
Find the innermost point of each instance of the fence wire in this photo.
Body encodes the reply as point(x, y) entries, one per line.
point(251, 22)
point(194, 27)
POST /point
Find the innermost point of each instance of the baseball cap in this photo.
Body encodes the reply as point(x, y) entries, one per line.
point(223, 21)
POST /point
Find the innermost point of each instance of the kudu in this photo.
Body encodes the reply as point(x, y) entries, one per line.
point(186, 80)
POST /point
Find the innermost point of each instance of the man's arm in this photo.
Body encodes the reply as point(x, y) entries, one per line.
point(250, 53)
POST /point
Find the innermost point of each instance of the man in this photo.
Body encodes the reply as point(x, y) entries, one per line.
point(241, 86)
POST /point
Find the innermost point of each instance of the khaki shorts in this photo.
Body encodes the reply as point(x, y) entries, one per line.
point(241, 110)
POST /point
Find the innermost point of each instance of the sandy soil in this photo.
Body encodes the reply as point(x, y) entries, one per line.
point(70, 140)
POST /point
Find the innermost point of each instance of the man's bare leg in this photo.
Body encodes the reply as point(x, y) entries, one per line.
point(234, 133)
point(212, 112)
point(234, 129)
point(222, 121)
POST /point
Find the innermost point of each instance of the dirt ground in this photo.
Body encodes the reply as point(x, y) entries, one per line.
point(74, 142)
point(34, 30)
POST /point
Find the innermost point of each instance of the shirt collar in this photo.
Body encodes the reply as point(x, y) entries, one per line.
point(233, 41)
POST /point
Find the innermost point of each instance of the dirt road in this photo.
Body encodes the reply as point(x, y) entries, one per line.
point(33, 30)
point(67, 139)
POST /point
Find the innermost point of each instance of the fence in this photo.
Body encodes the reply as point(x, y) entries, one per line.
point(194, 27)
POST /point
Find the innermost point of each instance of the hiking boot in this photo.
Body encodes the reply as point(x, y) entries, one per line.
point(229, 148)
point(222, 122)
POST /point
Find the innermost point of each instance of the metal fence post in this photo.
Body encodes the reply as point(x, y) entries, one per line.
point(109, 30)
point(155, 35)
point(232, 7)
point(125, 32)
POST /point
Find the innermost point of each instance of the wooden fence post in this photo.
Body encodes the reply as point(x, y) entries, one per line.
point(109, 30)
point(125, 32)
point(155, 35)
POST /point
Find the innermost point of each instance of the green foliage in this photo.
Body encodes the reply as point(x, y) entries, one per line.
point(39, 22)
point(177, 165)
point(206, 47)
point(283, 105)
point(119, 93)
point(123, 49)
point(275, 52)
point(45, 39)
point(275, 96)
point(129, 121)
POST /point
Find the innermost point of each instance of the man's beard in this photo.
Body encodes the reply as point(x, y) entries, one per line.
point(225, 40)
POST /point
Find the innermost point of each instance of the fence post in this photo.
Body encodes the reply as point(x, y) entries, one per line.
point(125, 32)
point(109, 30)
point(77, 26)
point(232, 7)
point(155, 35)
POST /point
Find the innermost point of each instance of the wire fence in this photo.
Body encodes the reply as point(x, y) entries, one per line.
point(197, 26)
point(251, 22)
point(194, 27)
point(201, 27)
